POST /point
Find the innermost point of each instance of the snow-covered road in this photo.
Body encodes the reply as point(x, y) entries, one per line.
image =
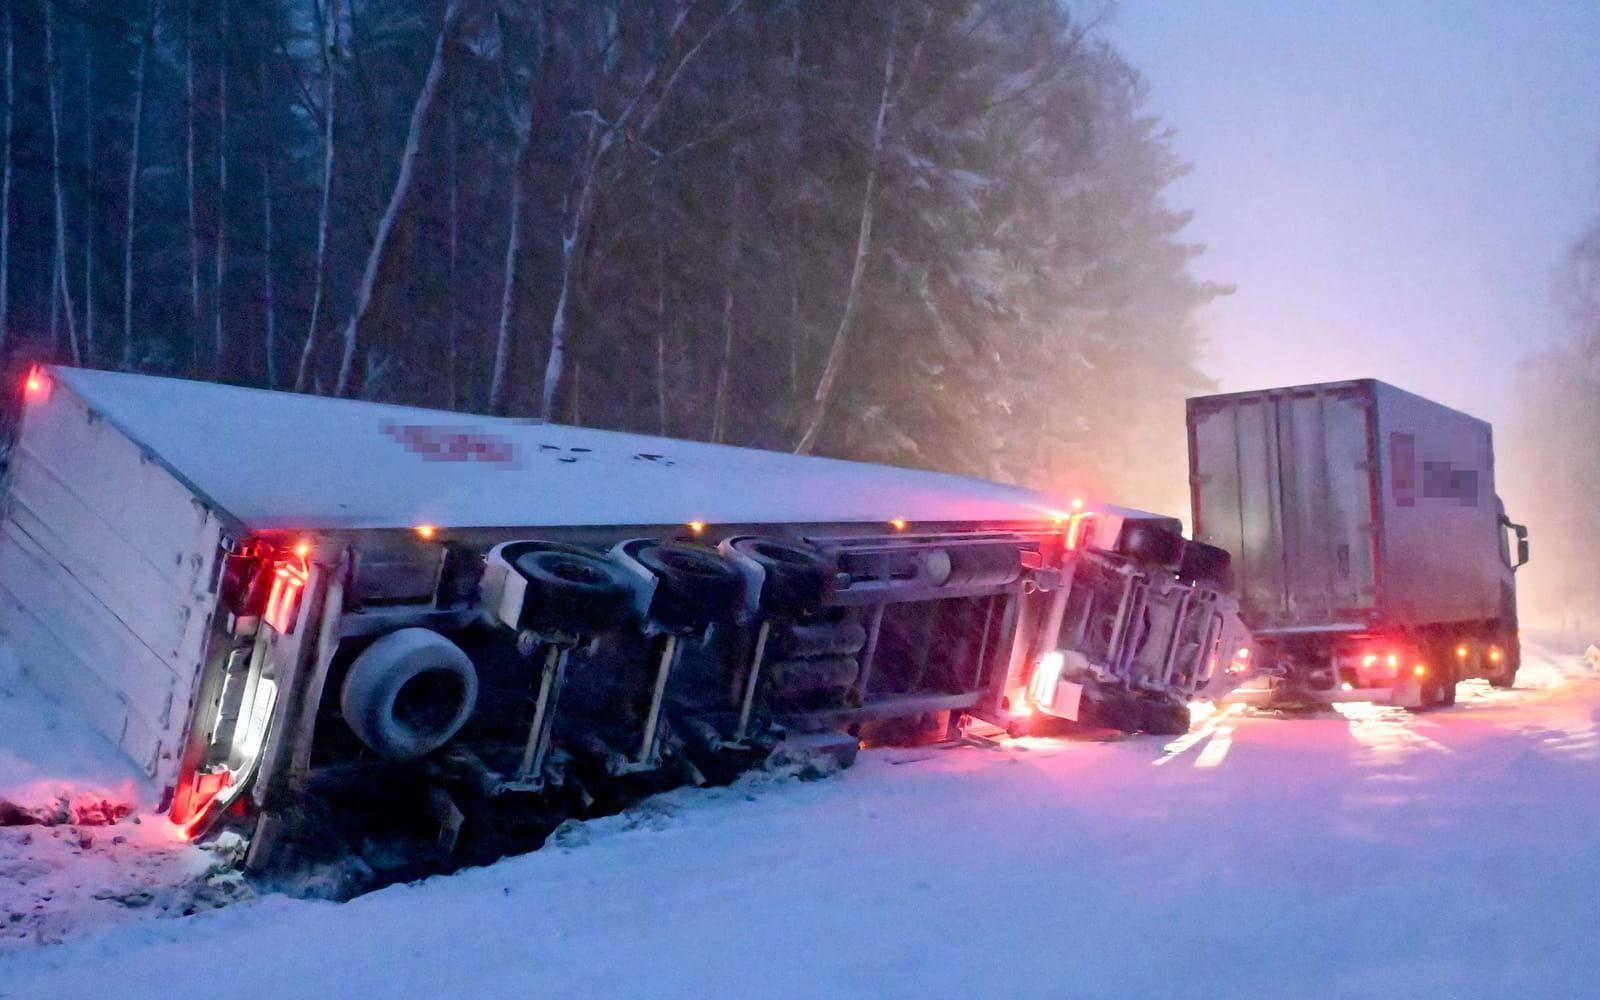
point(1372, 853)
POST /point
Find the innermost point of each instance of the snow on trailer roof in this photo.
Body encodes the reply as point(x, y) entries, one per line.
point(286, 461)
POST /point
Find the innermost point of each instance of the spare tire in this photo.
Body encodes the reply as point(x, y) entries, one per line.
point(797, 641)
point(695, 585)
point(1206, 564)
point(1150, 543)
point(408, 693)
point(795, 579)
point(573, 589)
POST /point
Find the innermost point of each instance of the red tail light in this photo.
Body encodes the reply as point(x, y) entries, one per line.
point(283, 604)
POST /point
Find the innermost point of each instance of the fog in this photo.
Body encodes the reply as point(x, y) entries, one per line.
point(1393, 188)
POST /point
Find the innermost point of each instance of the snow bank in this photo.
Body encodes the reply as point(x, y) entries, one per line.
point(1376, 854)
point(54, 765)
point(79, 846)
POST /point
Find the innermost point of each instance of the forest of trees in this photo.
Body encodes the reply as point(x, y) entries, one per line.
point(1556, 480)
point(928, 232)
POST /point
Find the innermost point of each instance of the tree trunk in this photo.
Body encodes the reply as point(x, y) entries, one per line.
point(601, 140)
point(330, 49)
point(194, 218)
point(661, 326)
point(348, 368)
point(594, 149)
point(88, 195)
point(269, 291)
point(133, 187)
point(796, 126)
point(452, 321)
point(841, 337)
point(5, 192)
point(719, 421)
point(508, 288)
point(61, 283)
point(219, 335)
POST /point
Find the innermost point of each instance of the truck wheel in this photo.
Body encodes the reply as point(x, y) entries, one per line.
point(574, 589)
point(695, 585)
point(796, 579)
point(819, 639)
point(1448, 679)
point(1149, 543)
point(1510, 659)
point(408, 693)
point(1206, 564)
point(1161, 717)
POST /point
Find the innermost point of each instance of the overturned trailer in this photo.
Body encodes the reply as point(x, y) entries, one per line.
point(429, 637)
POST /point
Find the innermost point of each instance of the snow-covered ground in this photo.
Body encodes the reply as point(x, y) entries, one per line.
point(1367, 853)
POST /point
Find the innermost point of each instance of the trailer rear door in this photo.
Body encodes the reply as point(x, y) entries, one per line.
point(1284, 482)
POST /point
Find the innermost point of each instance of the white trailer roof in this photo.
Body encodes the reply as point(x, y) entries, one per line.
point(285, 461)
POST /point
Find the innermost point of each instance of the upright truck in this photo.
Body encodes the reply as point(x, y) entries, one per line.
point(1372, 559)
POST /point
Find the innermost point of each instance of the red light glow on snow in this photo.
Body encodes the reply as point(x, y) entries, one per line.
point(37, 385)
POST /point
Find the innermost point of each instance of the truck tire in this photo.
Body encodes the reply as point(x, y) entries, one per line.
point(695, 585)
point(796, 579)
point(818, 639)
point(1206, 565)
point(1449, 677)
point(1150, 543)
point(1510, 659)
point(408, 693)
point(1161, 717)
point(570, 588)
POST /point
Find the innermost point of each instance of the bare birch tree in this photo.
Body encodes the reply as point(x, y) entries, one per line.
point(194, 215)
point(269, 305)
point(146, 39)
point(220, 251)
point(421, 111)
point(5, 188)
point(452, 328)
point(719, 422)
point(89, 198)
point(823, 397)
point(330, 53)
point(635, 119)
point(53, 90)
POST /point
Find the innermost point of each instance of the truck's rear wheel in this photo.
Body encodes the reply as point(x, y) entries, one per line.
point(408, 693)
point(796, 579)
point(694, 584)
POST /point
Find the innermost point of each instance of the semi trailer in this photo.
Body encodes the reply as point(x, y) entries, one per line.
point(1372, 559)
point(423, 638)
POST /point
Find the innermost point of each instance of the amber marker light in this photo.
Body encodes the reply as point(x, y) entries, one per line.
point(426, 532)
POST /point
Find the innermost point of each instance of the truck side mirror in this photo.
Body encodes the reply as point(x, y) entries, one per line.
point(1522, 544)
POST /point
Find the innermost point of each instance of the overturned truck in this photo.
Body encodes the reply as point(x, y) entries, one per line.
point(427, 638)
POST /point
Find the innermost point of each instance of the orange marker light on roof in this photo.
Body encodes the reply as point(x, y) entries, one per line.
point(898, 524)
point(302, 549)
point(36, 385)
point(1077, 503)
point(1420, 670)
point(697, 527)
point(1461, 652)
point(426, 532)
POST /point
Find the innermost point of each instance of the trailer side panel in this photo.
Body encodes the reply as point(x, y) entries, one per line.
point(1440, 544)
point(106, 578)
